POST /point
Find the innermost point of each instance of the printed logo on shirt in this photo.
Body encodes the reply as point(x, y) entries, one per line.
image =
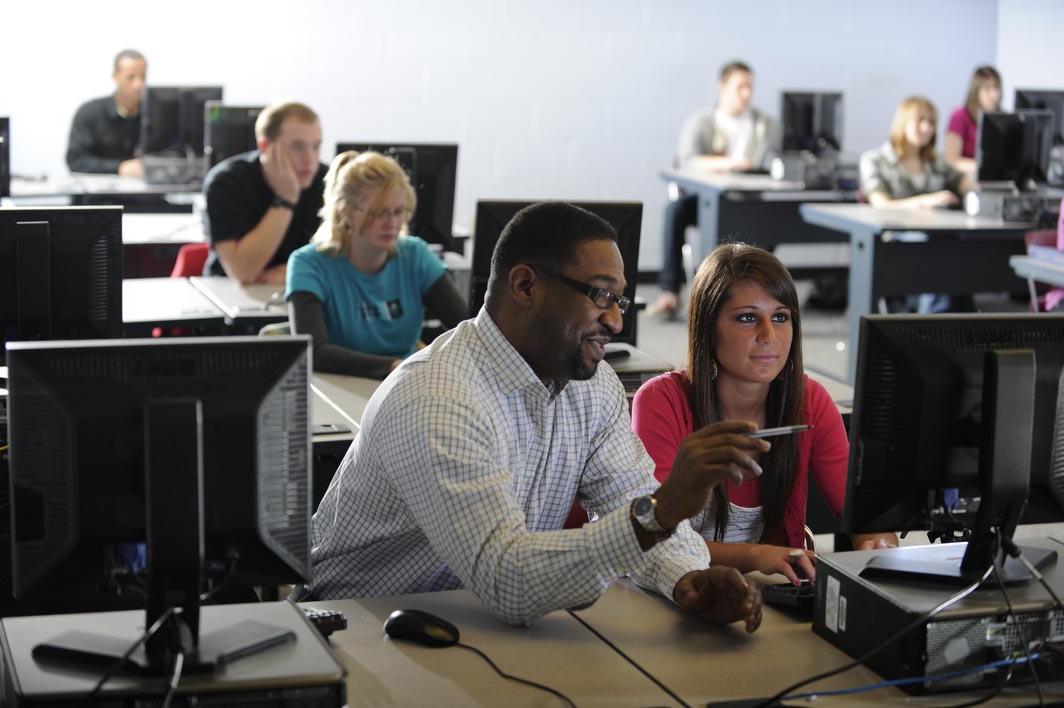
point(391, 310)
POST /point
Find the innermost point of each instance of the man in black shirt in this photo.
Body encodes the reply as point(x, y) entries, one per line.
point(106, 131)
point(264, 204)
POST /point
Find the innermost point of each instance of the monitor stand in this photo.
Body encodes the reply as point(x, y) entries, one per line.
point(942, 563)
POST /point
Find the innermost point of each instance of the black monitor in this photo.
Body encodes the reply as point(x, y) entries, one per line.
point(197, 447)
point(812, 122)
point(1015, 147)
point(625, 217)
point(968, 402)
point(1044, 100)
point(60, 273)
point(172, 119)
point(228, 130)
point(433, 171)
point(5, 157)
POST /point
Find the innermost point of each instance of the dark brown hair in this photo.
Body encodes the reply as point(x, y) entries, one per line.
point(982, 76)
point(725, 266)
point(732, 67)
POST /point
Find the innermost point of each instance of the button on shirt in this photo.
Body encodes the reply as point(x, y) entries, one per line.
point(462, 476)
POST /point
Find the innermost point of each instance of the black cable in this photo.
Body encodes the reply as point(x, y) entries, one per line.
point(148, 633)
point(629, 659)
point(561, 696)
point(1019, 628)
point(990, 695)
point(880, 647)
point(232, 557)
point(175, 678)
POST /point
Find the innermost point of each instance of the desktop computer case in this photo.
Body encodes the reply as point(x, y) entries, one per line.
point(857, 614)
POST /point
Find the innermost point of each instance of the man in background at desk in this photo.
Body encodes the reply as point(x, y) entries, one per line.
point(106, 131)
point(472, 452)
point(264, 204)
point(729, 137)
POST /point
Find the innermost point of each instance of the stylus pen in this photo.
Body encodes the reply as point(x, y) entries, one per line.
point(785, 430)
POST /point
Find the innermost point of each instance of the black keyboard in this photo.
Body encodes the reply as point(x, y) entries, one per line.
point(325, 621)
point(799, 597)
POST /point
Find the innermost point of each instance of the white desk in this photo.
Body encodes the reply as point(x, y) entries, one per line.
point(961, 255)
point(755, 209)
point(1037, 269)
point(249, 306)
point(166, 302)
point(161, 229)
point(347, 395)
point(555, 650)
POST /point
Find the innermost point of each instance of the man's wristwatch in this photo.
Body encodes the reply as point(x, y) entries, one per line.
point(643, 511)
point(279, 201)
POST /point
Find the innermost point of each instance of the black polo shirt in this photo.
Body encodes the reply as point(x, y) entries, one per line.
point(100, 138)
point(238, 197)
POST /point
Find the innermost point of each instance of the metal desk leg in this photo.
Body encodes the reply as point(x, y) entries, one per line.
point(708, 225)
point(863, 242)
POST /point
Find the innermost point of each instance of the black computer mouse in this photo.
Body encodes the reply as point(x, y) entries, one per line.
point(421, 627)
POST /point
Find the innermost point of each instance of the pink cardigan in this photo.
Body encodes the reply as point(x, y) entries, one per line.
point(661, 417)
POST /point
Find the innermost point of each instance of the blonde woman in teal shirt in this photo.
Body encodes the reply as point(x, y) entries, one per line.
point(361, 286)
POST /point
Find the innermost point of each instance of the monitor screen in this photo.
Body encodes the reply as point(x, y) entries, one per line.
point(933, 395)
point(60, 273)
point(433, 171)
point(1044, 100)
point(5, 157)
point(625, 217)
point(84, 455)
point(228, 130)
point(1015, 147)
point(812, 122)
point(172, 119)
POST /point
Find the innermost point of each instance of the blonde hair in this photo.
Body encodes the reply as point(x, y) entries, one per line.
point(357, 181)
point(906, 112)
point(268, 124)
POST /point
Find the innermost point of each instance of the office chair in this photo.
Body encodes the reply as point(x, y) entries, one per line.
point(190, 260)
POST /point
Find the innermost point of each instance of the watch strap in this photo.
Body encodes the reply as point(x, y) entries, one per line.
point(279, 201)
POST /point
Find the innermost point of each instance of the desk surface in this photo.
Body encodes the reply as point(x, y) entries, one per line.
point(164, 301)
point(82, 183)
point(162, 229)
point(555, 650)
point(1038, 269)
point(346, 395)
point(238, 301)
point(769, 189)
point(844, 217)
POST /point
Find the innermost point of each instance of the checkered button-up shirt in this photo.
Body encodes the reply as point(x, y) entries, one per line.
point(463, 473)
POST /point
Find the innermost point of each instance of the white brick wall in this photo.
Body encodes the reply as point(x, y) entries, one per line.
point(547, 98)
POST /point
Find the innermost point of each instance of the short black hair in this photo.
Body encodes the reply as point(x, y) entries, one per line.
point(128, 54)
point(547, 234)
point(734, 66)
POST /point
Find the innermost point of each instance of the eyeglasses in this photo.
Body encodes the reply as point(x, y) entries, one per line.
point(400, 213)
point(600, 296)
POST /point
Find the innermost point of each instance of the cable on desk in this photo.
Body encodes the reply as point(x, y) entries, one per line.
point(148, 633)
point(629, 659)
point(179, 665)
point(561, 696)
point(883, 645)
point(1019, 628)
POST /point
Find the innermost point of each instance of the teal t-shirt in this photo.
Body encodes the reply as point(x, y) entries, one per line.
point(379, 313)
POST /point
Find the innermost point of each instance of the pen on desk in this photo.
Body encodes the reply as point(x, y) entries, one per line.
point(785, 430)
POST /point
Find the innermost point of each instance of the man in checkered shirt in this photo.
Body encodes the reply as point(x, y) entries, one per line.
point(472, 453)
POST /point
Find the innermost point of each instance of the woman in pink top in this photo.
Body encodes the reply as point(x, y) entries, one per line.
point(984, 96)
point(744, 362)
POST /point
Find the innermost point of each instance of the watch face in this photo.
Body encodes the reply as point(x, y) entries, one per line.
point(643, 506)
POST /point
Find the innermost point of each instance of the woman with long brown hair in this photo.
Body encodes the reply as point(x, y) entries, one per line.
point(984, 96)
point(744, 362)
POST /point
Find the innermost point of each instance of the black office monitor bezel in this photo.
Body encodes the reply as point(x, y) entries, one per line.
point(84, 263)
point(493, 215)
point(434, 184)
point(898, 460)
point(1014, 147)
point(1043, 99)
point(223, 128)
point(172, 119)
point(822, 112)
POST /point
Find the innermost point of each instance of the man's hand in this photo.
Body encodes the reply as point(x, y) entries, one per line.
point(874, 541)
point(131, 168)
point(279, 173)
point(706, 458)
point(721, 595)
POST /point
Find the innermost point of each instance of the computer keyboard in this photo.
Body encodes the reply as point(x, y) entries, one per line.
point(799, 597)
point(325, 621)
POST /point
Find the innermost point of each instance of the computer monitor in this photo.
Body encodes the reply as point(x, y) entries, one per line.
point(432, 169)
point(172, 119)
point(228, 130)
point(1043, 100)
point(969, 402)
point(625, 217)
point(812, 122)
point(197, 447)
point(60, 273)
point(5, 157)
point(1014, 147)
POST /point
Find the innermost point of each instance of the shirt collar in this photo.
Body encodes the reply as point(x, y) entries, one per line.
point(509, 366)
